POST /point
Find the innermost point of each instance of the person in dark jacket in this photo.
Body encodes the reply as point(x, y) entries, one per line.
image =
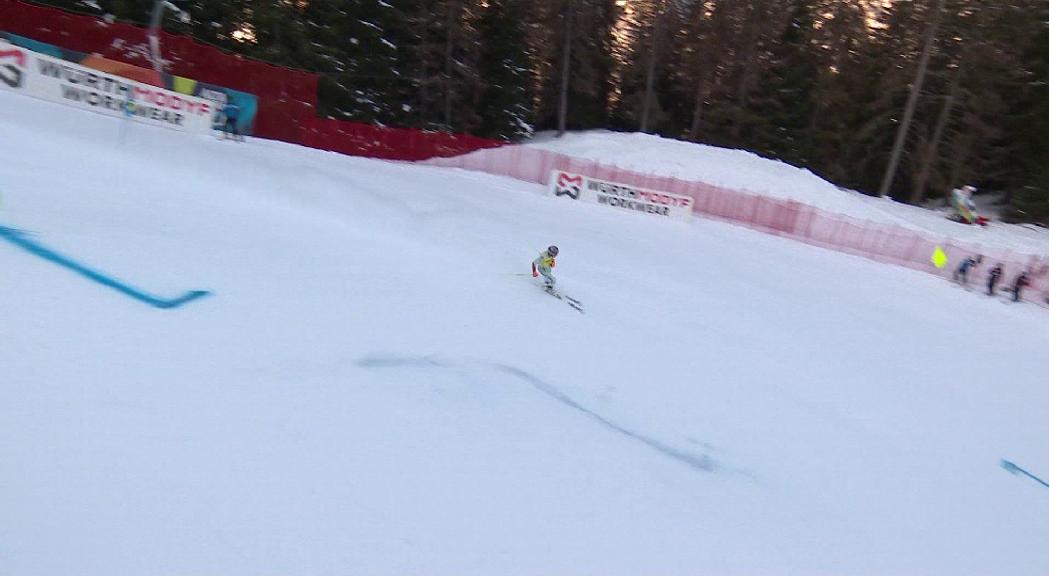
point(1023, 280)
point(961, 275)
point(993, 277)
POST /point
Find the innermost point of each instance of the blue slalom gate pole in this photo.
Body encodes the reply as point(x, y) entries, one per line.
point(19, 238)
point(1014, 469)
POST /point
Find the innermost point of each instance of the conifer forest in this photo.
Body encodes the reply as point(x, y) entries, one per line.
point(821, 84)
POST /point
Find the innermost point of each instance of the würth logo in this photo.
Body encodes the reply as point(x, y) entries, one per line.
point(12, 74)
point(571, 186)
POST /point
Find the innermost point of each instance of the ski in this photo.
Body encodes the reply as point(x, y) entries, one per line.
point(575, 304)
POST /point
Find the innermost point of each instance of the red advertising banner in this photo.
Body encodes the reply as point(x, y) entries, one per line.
point(287, 98)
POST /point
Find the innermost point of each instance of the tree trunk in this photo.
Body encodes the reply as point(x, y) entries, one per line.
point(912, 102)
point(650, 71)
point(749, 62)
point(707, 72)
point(697, 112)
point(918, 194)
point(448, 65)
point(961, 159)
point(747, 59)
point(566, 57)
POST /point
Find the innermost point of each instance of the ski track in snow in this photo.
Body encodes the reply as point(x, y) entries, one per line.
point(698, 462)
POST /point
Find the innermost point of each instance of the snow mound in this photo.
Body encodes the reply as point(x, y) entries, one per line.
point(725, 167)
point(748, 172)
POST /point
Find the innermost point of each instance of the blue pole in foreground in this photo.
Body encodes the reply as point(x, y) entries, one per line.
point(1014, 469)
point(18, 238)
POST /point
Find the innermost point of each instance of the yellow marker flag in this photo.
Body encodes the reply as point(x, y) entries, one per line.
point(184, 85)
point(939, 257)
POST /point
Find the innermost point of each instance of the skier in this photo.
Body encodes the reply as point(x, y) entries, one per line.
point(232, 113)
point(544, 265)
point(965, 208)
point(1018, 285)
point(993, 277)
point(961, 275)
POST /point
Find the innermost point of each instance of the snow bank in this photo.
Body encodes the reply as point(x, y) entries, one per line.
point(748, 172)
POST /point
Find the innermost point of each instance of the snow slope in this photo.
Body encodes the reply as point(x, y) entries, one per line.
point(370, 389)
point(748, 172)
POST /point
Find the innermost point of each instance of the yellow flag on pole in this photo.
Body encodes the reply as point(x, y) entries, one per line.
point(939, 257)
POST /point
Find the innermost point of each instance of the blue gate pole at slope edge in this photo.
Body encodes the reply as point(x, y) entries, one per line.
point(1013, 468)
point(19, 238)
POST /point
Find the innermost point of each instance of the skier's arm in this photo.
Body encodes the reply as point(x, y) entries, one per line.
point(535, 262)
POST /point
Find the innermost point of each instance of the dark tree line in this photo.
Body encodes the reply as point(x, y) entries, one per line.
point(818, 83)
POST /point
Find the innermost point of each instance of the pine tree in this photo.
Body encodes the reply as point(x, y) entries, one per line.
point(590, 78)
point(1028, 181)
point(223, 24)
point(505, 67)
point(702, 64)
point(371, 81)
point(645, 64)
point(890, 60)
point(443, 57)
point(281, 35)
point(783, 103)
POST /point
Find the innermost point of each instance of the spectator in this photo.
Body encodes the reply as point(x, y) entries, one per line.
point(232, 113)
point(993, 277)
point(961, 275)
point(1023, 280)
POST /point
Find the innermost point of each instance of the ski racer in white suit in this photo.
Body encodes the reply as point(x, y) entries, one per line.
point(544, 265)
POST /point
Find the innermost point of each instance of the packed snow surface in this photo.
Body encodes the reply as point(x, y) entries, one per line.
point(376, 385)
point(747, 172)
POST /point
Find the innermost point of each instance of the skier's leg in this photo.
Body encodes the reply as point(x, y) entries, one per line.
point(548, 278)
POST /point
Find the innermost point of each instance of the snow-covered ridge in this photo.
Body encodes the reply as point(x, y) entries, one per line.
point(748, 172)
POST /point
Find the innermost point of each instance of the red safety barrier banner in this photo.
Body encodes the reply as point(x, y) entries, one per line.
point(287, 98)
point(389, 143)
point(877, 241)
